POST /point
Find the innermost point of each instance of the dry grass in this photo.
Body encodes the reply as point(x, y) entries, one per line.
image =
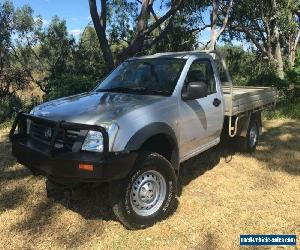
point(224, 194)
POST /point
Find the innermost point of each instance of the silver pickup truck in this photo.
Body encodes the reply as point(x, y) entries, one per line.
point(136, 128)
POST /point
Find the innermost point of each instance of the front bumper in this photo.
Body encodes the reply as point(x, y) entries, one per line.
point(63, 167)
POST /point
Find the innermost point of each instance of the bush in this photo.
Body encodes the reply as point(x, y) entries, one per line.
point(9, 106)
point(66, 85)
point(284, 109)
point(241, 64)
point(29, 105)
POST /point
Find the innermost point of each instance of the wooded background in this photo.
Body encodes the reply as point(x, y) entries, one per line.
point(56, 63)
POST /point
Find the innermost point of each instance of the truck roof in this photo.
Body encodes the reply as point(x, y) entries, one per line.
point(183, 55)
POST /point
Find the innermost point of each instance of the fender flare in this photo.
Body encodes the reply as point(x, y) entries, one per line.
point(245, 121)
point(153, 129)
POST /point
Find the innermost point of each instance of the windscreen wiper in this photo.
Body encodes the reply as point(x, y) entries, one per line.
point(143, 90)
point(140, 90)
point(116, 89)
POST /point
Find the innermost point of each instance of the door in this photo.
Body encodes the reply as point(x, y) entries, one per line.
point(201, 120)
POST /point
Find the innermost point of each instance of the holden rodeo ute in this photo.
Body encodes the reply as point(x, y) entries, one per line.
point(137, 126)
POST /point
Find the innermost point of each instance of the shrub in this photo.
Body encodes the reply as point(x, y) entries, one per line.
point(67, 84)
point(29, 105)
point(9, 106)
point(284, 109)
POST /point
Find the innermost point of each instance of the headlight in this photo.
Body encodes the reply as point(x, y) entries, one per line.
point(94, 140)
point(28, 123)
point(33, 110)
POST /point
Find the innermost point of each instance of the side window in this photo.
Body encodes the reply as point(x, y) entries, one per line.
point(201, 71)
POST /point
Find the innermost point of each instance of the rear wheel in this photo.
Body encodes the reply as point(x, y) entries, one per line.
point(249, 143)
point(148, 193)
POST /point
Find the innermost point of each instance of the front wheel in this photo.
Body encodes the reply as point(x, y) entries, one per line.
point(147, 195)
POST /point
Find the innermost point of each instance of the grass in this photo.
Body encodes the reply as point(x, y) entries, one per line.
point(224, 194)
point(284, 109)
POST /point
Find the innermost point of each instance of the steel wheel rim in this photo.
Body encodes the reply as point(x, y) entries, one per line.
point(148, 193)
point(253, 135)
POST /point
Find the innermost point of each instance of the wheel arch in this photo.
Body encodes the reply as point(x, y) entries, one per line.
point(157, 137)
point(244, 122)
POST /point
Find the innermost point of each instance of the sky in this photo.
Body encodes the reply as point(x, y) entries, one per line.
point(75, 12)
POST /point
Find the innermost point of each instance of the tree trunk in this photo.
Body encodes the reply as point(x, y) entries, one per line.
point(137, 43)
point(292, 48)
point(213, 32)
point(100, 27)
point(278, 55)
point(142, 29)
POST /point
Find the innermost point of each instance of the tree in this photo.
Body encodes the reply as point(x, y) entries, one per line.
point(181, 38)
point(13, 23)
point(29, 52)
point(293, 74)
point(140, 34)
point(291, 30)
point(53, 53)
point(83, 68)
point(219, 15)
point(263, 23)
point(87, 56)
point(220, 11)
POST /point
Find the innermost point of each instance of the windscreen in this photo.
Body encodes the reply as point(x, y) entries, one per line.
point(144, 76)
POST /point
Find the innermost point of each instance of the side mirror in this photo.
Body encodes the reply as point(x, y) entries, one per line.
point(194, 90)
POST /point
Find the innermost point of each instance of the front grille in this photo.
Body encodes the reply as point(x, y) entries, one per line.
point(44, 133)
point(38, 132)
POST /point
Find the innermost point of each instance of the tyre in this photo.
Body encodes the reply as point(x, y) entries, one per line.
point(147, 195)
point(249, 143)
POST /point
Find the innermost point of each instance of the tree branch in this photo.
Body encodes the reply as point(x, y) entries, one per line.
point(103, 14)
point(225, 21)
point(143, 31)
point(205, 45)
point(200, 29)
point(155, 17)
point(174, 8)
point(162, 34)
point(251, 37)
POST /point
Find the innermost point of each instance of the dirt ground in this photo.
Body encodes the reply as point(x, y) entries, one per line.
point(224, 194)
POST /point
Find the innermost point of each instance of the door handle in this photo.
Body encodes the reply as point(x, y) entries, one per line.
point(216, 102)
